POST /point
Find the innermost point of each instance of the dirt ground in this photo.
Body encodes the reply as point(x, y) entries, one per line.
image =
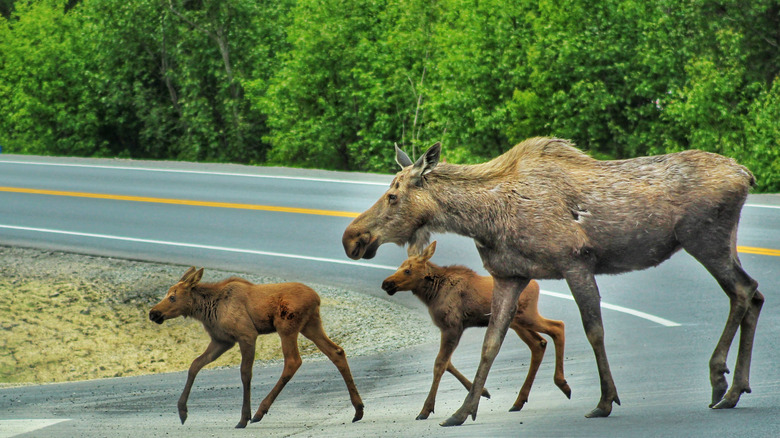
point(67, 317)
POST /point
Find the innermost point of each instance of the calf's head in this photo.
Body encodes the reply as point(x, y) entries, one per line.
point(400, 215)
point(178, 300)
point(412, 274)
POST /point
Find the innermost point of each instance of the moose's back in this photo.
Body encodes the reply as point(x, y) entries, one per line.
point(629, 214)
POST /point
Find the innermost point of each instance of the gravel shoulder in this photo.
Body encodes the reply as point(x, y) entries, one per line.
point(67, 317)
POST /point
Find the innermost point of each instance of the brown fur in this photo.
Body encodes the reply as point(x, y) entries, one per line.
point(546, 210)
point(237, 311)
point(457, 298)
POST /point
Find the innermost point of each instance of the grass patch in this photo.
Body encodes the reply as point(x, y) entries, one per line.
point(61, 331)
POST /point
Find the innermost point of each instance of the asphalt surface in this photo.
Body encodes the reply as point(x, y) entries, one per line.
point(660, 369)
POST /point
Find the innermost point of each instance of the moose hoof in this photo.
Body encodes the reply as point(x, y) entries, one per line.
point(422, 416)
point(241, 425)
point(183, 416)
point(724, 404)
point(485, 393)
point(597, 413)
point(453, 421)
point(358, 415)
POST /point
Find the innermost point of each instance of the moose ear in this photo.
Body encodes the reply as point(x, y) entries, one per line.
point(188, 274)
point(428, 252)
point(401, 158)
point(426, 162)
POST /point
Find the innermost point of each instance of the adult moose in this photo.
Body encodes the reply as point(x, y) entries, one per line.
point(546, 210)
point(237, 311)
point(458, 298)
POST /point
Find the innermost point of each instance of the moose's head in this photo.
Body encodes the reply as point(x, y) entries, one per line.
point(400, 216)
point(178, 300)
point(413, 273)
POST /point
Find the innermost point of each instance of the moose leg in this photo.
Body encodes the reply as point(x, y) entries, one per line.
point(247, 360)
point(502, 308)
point(463, 379)
point(537, 346)
point(314, 331)
point(449, 341)
point(586, 294)
point(747, 329)
point(745, 305)
point(292, 361)
point(213, 351)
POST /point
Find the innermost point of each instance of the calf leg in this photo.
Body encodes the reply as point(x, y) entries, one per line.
point(247, 360)
point(556, 330)
point(449, 341)
point(314, 331)
point(463, 379)
point(586, 294)
point(537, 346)
point(213, 351)
point(503, 308)
point(292, 361)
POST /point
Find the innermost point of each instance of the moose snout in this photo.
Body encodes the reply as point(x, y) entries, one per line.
point(359, 244)
point(390, 287)
point(156, 316)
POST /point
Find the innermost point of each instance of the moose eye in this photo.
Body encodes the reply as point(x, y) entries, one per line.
point(392, 198)
point(172, 298)
point(408, 272)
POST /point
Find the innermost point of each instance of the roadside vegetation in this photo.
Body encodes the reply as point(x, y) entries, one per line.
point(333, 84)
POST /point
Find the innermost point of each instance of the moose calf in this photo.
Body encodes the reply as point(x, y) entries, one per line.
point(236, 310)
point(458, 298)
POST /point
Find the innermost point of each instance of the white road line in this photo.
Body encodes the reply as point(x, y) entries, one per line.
point(199, 172)
point(637, 313)
point(762, 206)
point(197, 246)
point(9, 428)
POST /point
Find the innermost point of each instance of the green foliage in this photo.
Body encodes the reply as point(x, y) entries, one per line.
point(334, 83)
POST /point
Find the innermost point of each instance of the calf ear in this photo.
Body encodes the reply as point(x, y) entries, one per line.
point(188, 273)
point(426, 163)
point(401, 158)
point(428, 252)
point(195, 279)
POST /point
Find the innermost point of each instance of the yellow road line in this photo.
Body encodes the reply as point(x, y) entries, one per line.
point(742, 249)
point(761, 251)
point(181, 202)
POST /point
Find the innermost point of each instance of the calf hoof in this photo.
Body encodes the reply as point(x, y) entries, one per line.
point(183, 416)
point(485, 393)
point(358, 415)
point(423, 416)
point(258, 416)
point(516, 408)
point(566, 390)
point(241, 424)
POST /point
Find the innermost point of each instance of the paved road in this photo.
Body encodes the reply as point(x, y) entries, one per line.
point(220, 220)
